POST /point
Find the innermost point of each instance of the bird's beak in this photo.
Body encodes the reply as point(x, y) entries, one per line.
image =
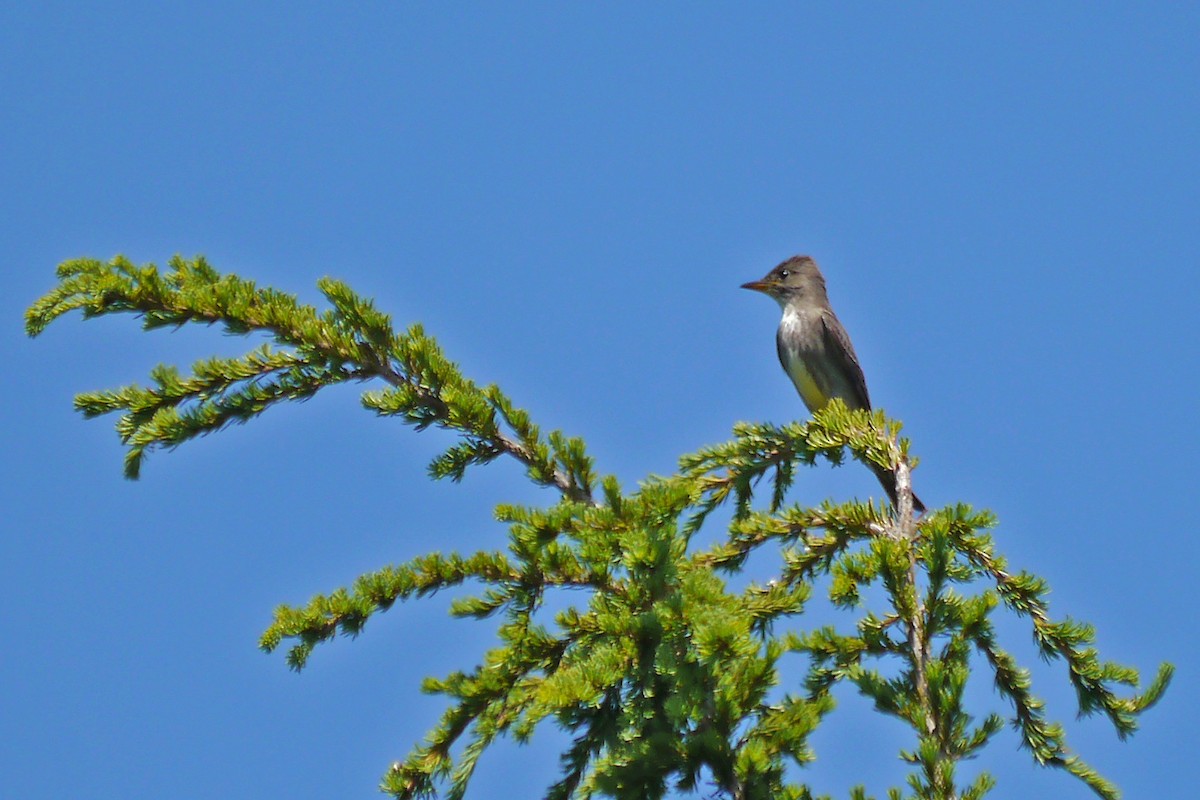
point(757, 286)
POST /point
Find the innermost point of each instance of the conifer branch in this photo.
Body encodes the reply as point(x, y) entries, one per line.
point(902, 551)
point(1069, 640)
point(353, 341)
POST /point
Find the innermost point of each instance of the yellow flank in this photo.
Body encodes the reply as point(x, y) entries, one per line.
point(810, 393)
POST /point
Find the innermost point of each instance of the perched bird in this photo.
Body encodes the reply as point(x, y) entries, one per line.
point(815, 349)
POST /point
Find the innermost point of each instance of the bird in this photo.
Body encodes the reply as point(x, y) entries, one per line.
point(815, 349)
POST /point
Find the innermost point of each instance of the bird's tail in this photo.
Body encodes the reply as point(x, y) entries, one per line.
point(887, 479)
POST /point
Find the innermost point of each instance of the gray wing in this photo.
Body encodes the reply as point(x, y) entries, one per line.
point(851, 383)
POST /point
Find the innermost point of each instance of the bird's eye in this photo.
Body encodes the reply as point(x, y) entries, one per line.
point(783, 273)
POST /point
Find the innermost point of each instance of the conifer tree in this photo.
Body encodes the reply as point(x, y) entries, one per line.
point(666, 678)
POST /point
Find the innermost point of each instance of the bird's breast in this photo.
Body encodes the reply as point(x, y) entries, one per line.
point(796, 341)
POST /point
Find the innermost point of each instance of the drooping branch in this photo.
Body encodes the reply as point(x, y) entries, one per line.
point(352, 341)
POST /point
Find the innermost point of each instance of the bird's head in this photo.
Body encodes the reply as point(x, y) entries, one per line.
point(795, 279)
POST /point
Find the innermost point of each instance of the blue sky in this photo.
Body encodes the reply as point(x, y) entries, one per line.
point(1003, 198)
